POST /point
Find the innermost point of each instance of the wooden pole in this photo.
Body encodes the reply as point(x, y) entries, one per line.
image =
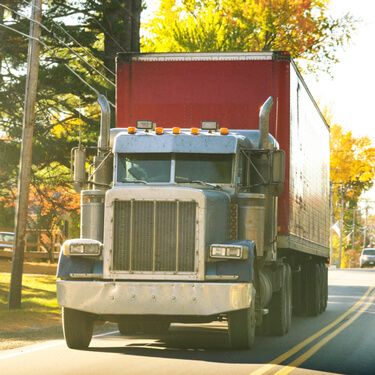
point(15, 292)
point(341, 226)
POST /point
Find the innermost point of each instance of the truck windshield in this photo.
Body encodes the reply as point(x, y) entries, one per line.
point(144, 168)
point(204, 167)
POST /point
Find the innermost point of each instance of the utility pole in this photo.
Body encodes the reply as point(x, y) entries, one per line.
point(354, 218)
point(365, 229)
point(341, 225)
point(26, 155)
point(332, 219)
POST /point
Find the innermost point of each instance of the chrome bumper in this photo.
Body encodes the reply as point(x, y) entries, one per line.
point(151, 298)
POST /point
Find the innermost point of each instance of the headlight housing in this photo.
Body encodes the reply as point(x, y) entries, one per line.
point(228, 251)
point(82, 247)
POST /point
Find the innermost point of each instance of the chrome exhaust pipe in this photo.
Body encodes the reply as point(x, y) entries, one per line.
point(105, 125)
point(264, 119)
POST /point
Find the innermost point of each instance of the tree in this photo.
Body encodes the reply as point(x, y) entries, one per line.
point(301, 27)
point(352, 164)
point(67, 108)
point(352, 171)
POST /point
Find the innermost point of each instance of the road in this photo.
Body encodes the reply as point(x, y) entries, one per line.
point(341, 340)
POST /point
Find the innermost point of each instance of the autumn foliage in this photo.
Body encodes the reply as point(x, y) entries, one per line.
point(301, 27)
point(352, 164)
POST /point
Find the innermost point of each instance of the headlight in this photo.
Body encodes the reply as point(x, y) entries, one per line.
point(228, 251)
point(82, 246)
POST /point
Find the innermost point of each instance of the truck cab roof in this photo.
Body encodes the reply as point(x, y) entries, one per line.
point(185, 142)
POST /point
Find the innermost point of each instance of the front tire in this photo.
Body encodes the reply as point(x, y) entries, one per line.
point(77, 327)
point(241, 326)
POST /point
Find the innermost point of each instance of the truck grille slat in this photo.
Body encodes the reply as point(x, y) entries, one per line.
point(154, 236)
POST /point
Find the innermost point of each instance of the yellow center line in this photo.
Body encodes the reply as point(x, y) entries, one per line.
point(309, 353)
point(283, 357)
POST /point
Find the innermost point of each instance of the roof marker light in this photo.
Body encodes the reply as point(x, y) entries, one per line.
point(195, 131)
point(210, 126)
point(145, 125)
point(224, 131)
point(132, 130)
point(176, 130)
point(159, 130)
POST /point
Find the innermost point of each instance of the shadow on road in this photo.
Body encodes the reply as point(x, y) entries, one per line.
point(207, 343)
point(210, 342)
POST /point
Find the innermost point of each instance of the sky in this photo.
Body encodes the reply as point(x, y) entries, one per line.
point(350, 92)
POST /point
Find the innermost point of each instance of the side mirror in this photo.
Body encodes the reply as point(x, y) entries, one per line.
point(277, 171)
point(78, 167)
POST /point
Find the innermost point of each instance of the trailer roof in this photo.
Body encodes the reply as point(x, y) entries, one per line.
point(204, 56)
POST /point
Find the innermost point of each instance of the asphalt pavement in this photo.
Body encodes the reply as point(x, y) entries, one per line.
point(341, 340)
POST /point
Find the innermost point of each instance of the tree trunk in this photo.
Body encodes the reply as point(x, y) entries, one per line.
point(2, 42)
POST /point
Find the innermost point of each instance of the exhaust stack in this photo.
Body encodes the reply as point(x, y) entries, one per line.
point(102, 175)
point(264, 119)
point(105, 125)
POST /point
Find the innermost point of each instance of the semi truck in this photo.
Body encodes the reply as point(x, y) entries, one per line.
point(208, 201)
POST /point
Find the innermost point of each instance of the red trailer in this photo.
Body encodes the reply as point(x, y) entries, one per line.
point(184, 89)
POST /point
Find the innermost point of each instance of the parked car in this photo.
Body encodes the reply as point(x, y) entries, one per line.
point(367, 258)
point(6, 240)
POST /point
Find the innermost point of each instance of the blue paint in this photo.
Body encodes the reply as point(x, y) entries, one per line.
point(244, 269)
point(68, 265)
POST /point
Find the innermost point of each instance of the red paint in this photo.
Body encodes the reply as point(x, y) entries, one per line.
point(184, 93)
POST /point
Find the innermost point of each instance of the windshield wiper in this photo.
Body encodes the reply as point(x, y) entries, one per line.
point(184, 179)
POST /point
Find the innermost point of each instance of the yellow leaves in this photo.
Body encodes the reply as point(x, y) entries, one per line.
point(352, 163)
point(63, 124)
point(298, 26)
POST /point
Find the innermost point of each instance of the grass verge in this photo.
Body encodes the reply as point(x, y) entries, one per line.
point(39, 317)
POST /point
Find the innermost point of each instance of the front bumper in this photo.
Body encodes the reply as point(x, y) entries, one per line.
point(152, 298)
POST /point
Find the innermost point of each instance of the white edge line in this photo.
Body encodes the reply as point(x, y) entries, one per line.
point(21, 351)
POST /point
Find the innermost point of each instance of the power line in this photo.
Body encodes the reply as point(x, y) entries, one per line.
point(61, 41)
point(106, 31)
point(66, 65)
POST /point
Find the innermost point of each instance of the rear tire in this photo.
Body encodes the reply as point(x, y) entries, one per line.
point(280, 316)
point(77, 327)
point(241, 324)
point(325, 286)
point(314, 289)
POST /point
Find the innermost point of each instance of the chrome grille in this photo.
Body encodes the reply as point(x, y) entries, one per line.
point(154, 236)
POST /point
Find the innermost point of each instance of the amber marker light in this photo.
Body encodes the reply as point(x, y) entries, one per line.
point(224, 131)
point(176, 130)
point(195, 131)
point(132, 130)
point(159, 130)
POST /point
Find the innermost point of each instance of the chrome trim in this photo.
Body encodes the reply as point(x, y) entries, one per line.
point(264, 119)
point(145, 298)
point(149, 193)
point(105, 124)
point(221, 277)
point(86, 275)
